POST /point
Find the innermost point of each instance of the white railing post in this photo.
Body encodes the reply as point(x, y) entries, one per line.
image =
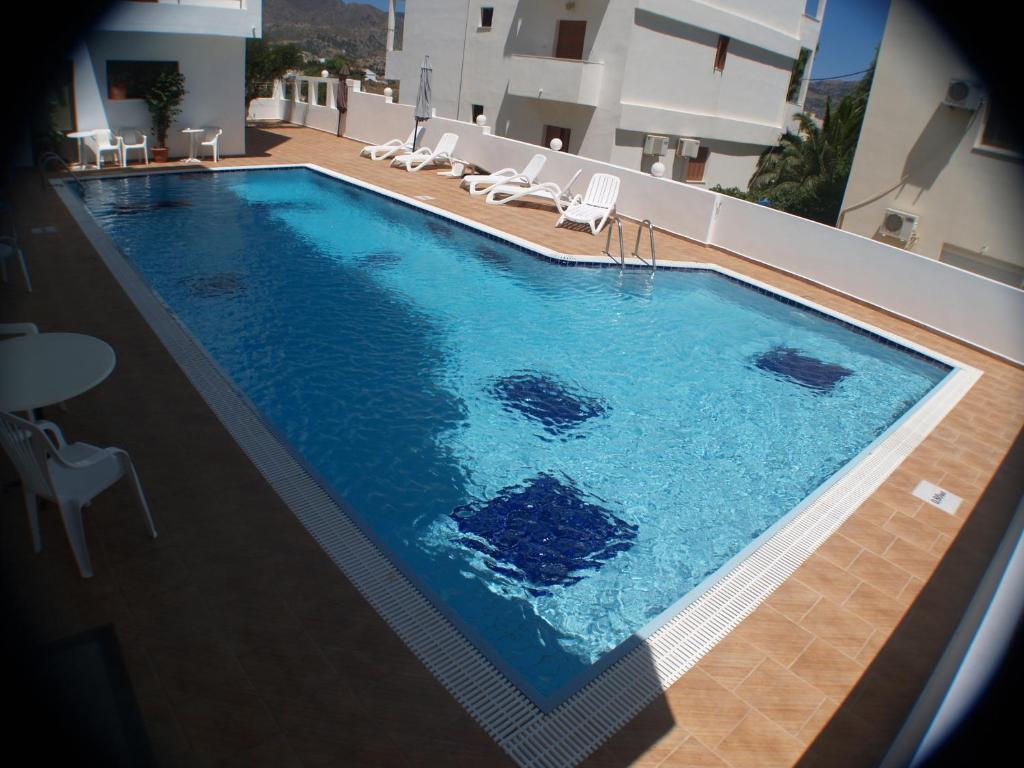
point(278, 92)
point(313, 90)
point(332, 91)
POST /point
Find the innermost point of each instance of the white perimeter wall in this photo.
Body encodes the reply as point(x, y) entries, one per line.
point(214, 70)
point(961, 304)
point(286, 104)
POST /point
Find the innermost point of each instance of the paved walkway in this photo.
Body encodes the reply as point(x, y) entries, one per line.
point(246, 646)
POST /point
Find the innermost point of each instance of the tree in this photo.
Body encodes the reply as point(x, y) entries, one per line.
point(806, 172)
point(335, 65)
point(163, 97)
point(264, 62)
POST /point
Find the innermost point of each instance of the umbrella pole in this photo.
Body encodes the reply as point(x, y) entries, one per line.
point(415, 133)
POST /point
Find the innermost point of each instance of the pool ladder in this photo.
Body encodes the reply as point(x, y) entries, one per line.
point(645, 224)
point(52, 157)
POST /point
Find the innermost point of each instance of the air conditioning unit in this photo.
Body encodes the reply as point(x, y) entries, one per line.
point(687, 148)
point(899, 225)
point(655, 145)
point(963, 94)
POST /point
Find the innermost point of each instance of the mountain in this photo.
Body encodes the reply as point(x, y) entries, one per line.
point(818, 92)
point(326, 28)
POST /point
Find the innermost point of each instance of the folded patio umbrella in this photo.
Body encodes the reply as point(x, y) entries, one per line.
point(423, 111)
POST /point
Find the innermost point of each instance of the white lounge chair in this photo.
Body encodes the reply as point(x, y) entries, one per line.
point(547, 190)
point(103, 140)
point(133, 138)
point(480, 184)
point(393, 147)
point(597, 204)
point(210, 138)
point(442, 154)
point(71, 476)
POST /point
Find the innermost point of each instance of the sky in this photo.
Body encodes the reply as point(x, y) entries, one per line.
point(851, 30)
point(849, 34)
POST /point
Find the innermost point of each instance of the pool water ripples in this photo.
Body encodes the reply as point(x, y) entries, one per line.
point(436, 379)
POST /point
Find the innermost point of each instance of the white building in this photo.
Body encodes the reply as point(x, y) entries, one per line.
point(202, 39)
point(937, 171)
point(603, 75)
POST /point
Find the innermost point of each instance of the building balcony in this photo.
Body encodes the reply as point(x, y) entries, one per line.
point(569, 81)
point(224, 18)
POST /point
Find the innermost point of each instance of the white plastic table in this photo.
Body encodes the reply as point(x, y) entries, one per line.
point(48, 368)
point(80, 135)
point(192, 132)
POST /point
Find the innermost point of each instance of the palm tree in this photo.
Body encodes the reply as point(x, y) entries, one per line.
point(806, 172)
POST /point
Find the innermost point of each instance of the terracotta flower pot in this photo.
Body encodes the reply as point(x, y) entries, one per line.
point(159, 154)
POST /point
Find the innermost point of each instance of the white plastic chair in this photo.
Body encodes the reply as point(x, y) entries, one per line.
point(8, 248)
point(103, 140)
point(18, 329)
point(71, 476)
point(443, 153)
point(210, 139)
point(562, 197)
point(133, 138)
point(480, 184)
point(393, 147)
point(597, 204)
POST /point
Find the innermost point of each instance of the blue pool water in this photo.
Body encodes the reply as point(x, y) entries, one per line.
point(555, 455)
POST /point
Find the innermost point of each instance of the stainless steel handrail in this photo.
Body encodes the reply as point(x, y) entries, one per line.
point(636, 245)
point(608, 242)
point(49, 157)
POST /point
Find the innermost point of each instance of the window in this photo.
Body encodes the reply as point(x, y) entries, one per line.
point(695, 166)
point(723, 48)
point(999, 132)
point(130, 79)
point(796, 78)
point(478, 109)
point(486, 17)
point(557, 132)
point(571, 35)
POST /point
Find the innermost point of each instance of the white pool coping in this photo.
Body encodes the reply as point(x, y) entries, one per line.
point(576, 727)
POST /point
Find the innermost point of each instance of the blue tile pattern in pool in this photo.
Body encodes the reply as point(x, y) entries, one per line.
point(793, 365)
point(419, 368)
point(543, 532)
point(549, 402)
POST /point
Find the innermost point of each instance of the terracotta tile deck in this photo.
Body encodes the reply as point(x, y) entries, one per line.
point(246, 646)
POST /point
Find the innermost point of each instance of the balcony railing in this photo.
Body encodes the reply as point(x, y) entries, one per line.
point(566, 80)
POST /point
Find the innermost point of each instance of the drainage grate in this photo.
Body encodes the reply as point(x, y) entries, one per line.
point(577, 727)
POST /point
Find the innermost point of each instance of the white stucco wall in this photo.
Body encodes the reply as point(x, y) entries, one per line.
point(918, 156)
point(214, 70)
point(650, 69)
point(436, 28)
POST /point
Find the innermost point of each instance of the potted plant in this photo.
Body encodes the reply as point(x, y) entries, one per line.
point(163, 98)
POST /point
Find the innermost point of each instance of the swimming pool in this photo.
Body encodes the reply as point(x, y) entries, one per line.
point(448, 387)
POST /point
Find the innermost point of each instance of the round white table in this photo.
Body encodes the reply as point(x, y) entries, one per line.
point(48, 368)
point(192, 133)
point(80, 135)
